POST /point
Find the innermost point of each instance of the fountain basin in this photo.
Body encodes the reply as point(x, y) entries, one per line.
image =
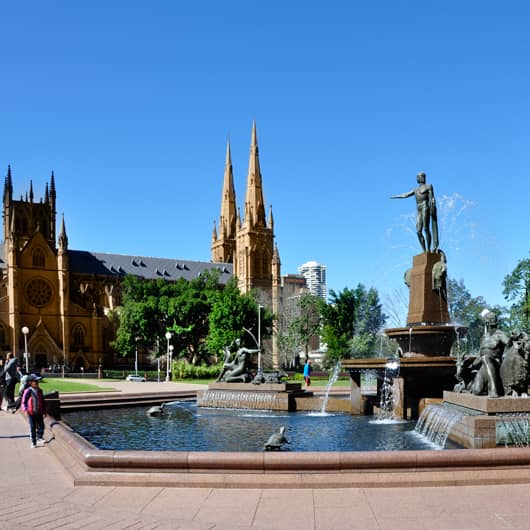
point(90, 466)
point(420, 377)
point(429, 340)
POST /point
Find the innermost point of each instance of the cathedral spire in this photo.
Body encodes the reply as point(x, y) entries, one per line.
point(8, 186)
point(63, 239)
point(270, 223)
point(30, 191)
point(227, 224)
point(214, 232)
point(254, 203)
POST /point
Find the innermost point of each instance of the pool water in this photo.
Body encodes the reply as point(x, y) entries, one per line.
point(185, 427)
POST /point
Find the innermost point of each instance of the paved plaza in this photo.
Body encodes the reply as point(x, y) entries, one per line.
point(38, 493)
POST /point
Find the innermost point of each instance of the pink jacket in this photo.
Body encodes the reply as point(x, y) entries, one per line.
point(32, 406)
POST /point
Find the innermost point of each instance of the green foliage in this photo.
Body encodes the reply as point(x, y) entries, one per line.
point(351, 322)
point(516, 288)
point(298, 332)
point(232, 313)
point(465, 309)
point(185, 370)
point(201, 315)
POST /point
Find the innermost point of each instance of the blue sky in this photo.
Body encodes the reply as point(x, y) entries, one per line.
point(131, 104)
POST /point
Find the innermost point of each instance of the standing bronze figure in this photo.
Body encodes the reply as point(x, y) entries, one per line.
point(426, 217)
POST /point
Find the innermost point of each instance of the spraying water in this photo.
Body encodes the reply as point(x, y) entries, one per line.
point(332, 379)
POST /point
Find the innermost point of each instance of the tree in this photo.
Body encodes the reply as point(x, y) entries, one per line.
point(232, 313)
point(300, 325)
point(352, 320)
point(152, 308)
point(466, 310)
point(516, 288)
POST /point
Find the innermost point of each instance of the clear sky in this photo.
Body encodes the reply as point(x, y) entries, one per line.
point(131, 104)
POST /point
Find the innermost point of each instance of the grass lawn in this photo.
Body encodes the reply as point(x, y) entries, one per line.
point(63, 386)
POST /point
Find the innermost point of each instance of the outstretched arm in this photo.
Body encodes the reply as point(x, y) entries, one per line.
point(403, 195)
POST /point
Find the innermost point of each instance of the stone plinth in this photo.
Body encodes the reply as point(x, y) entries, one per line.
point(487, 405)
point(483, 420)
point(263, 387)
point(425, 305)
point(265, 396)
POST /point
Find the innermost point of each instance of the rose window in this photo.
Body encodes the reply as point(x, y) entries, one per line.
point(38, 292)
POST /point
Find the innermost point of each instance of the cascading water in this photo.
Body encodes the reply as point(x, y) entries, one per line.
point(436, 422)
point(238, 399)
point(514, 430)
point(386, 403)
point(332, 379)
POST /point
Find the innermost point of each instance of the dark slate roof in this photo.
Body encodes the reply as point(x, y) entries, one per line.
point(100, 263)
point(85, 262)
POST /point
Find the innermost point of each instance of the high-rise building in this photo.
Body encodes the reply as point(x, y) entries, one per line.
point(315, 276)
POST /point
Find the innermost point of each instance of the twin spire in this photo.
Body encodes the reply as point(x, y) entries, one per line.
point(254, 208)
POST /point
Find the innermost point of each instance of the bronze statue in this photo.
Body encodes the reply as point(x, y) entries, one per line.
point(426, 217)
point(514, 367)
point(492, 344)
point(238, 370)
point(276, 440)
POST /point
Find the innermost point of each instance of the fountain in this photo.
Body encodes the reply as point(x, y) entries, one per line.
point(332, 379)
point(426, 366)
point(425, 369)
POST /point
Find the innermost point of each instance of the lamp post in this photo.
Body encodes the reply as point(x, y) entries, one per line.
point(25, 330)
point(260, 370)
point(136, 355)
point(171, 360)
point(168, 338)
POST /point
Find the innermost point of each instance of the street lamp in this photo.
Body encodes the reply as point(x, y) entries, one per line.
point(136, 355)
point(25, 330)
point(260, 370)
point(171, 360)
point(168, 338)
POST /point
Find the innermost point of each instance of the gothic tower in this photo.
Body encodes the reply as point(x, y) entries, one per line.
point(248, 242)
point(254, 238)
point(31, 277)
point(223, 243)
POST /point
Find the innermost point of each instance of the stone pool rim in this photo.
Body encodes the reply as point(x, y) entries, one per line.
point(88, 465)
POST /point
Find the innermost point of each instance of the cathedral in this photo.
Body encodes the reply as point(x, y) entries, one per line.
point(55, 301)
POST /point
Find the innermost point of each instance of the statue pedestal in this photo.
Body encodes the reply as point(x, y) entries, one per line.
point(484, 422)
point(425, 304)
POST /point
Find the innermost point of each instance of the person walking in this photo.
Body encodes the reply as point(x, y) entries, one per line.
point(307, 373)
point(34, 407)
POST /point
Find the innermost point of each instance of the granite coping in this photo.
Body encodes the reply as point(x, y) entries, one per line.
point(487, 405)
point(89, 465)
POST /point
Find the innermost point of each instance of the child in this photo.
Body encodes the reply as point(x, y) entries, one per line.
point(35, 409)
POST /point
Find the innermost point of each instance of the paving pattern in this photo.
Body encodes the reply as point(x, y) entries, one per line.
point(38, 493)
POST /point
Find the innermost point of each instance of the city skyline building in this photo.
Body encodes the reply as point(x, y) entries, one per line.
point(315, 276)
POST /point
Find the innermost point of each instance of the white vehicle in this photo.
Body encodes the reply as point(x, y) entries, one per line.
point(136, 378)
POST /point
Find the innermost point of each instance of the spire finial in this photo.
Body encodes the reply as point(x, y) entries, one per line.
point(63, 239)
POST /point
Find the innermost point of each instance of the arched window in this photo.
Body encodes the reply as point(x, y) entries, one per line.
point(78, 336)
point(38, 257)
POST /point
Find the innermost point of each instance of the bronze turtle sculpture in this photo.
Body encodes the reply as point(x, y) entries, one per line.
point(276, 440)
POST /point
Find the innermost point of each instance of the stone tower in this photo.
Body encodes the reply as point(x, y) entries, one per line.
point(248, 242)
point(33, 277)
point(224, 242)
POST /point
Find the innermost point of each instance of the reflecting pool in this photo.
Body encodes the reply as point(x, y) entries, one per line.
point(185, 427)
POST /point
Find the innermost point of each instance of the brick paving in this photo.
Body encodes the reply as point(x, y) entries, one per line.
point(38, 493)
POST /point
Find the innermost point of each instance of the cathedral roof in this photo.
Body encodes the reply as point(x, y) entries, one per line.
point(100, 263)
point(146, 267)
